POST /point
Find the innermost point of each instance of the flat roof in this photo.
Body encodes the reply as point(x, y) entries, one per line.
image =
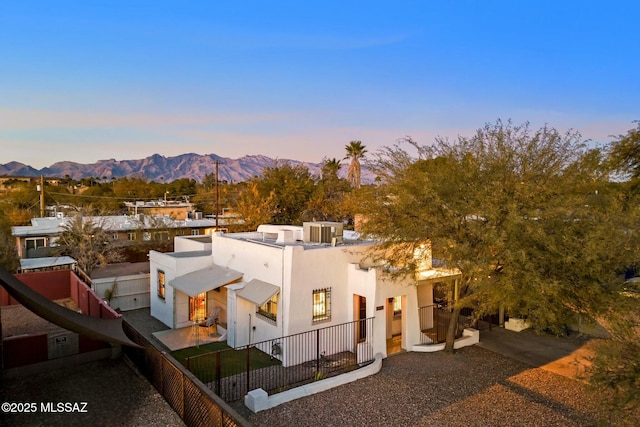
point(121, 269)
point(349, 238)
point(46, 262)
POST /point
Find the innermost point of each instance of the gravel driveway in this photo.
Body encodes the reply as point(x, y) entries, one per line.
point(473, 387)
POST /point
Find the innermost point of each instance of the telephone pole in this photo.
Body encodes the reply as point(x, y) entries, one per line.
point(41, 196)
point(217, 195)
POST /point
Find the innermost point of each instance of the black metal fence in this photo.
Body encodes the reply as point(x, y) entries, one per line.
point(280, 364)
point(192, 400)
point(434, 323)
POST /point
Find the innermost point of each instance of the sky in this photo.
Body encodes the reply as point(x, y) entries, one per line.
point(85, 81)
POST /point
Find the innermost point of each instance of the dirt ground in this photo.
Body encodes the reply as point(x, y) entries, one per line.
point(114, 395)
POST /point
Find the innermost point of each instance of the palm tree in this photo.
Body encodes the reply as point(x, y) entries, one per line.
point(330, 168)
point(355, 152)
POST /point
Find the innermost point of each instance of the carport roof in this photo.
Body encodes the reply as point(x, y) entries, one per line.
point(204, 280)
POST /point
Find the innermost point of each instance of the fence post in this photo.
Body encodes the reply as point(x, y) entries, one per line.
point(248, 366)
point(317, 350)
point(218, 373)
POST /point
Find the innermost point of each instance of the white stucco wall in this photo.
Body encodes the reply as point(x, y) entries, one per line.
point(319, 268)
point(173, 266)
point(256, 261)
point(191, 243)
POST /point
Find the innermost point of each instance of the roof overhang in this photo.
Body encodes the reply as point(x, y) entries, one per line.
point(258, 292)
point(204, 280)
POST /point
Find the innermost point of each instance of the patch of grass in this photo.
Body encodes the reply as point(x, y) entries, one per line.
point(182, 355)
point(232, 361)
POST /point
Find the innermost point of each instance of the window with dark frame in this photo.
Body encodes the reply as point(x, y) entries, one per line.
point(321, 305)
point(269, 311)
point(161, 284)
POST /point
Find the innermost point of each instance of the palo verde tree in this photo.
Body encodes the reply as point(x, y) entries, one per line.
point(528, 217)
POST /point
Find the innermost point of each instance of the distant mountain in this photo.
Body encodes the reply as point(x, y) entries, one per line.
point(159, 168)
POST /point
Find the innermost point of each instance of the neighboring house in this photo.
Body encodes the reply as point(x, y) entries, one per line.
point(283, 280)
point(32, 265)
point(36, 240)
point(176, 210)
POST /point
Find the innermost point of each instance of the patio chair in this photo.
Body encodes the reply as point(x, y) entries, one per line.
point(211, 320)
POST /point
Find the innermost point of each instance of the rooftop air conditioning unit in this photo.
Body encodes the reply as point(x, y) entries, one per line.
point(323, 232)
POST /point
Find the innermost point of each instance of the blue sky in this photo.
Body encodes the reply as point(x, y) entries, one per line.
point(85, 81)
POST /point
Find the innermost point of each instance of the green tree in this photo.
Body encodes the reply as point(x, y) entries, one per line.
point(85, 240)
point(8, 252)
point(355, 152)
point(328, 200)
point(529, 218)
point(253, 207)
point(625, 152)
point(290, 187)
point(615, 367)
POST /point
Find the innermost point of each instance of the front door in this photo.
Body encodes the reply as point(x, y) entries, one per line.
point(198, 307)
point(362, 316)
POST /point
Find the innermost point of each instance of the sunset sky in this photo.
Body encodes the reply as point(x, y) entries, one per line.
point(91, 80)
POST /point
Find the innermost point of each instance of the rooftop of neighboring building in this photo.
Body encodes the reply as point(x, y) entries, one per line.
point(55, 225)
point(121, 269)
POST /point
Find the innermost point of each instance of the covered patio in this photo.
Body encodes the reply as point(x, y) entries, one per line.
point(201, 298)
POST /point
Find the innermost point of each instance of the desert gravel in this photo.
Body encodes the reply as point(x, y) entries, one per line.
point(115, 396)
point(474, 387)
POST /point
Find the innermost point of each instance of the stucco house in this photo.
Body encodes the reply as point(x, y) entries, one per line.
point(36, 240)
point(282, 280)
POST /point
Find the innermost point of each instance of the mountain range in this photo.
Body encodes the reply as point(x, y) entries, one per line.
point(160, 168)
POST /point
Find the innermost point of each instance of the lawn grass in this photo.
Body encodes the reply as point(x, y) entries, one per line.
point(232, 361)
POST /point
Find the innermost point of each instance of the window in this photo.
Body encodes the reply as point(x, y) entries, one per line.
point(115, 236)
point(132, 236)
point(159, 236)
point(161, 284)
point(195, 232)
point(35, 243)
point(146, 236)
point(321, 304)
point(269, 310)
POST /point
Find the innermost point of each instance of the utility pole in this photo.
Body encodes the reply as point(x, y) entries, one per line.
point(41, 196)
point(217, 195)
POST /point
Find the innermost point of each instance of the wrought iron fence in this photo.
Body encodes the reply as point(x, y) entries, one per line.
point(279, 364)
point(434, 323)
point(192, 400)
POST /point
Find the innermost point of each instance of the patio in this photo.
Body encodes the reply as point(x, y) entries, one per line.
point(192, 336)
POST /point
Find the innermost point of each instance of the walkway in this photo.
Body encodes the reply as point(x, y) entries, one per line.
point(563, 356)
